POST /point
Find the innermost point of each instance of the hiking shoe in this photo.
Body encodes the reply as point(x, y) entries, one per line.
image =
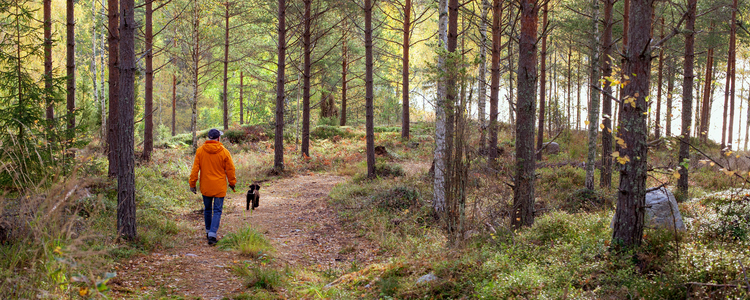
point(212, 241)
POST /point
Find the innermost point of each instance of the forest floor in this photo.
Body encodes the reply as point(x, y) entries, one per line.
point(293, 214)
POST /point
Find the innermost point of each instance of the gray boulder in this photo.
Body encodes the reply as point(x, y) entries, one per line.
point(661, 211)
point(551, 148)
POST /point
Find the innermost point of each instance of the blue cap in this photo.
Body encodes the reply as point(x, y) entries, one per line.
point(214, 133)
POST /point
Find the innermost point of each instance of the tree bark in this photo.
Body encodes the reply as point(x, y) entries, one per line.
point(148, 117)
point(594, 96)
point(441, 155)
point(369, 117)
point(306, 81)
point(405, 72)
point(114, 81)
point(174, 104)
point(657, 122)
point(226, 64)
point(71, 68)
point(731, 72)
point(523, 191)
point(482, 76)
point(578, 92)
point(705, 111)
point(126, 216)
point(278, 157)
point(344, 64)
point(606, 171)
point(50, 110)
point(687, 100)
point(242, 100)
point(670, 87)
point(628, 225)
point(542, 85)
point(497, 16)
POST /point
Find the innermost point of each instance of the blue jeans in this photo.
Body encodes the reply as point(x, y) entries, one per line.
point(212, 214)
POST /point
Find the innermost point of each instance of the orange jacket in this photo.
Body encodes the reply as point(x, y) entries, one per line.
point(215, 165)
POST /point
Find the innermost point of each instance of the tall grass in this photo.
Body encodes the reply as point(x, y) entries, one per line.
point(248, 241)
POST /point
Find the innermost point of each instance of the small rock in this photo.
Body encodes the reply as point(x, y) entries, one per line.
point(191, 255)
point(427, 278)
point(551, 148)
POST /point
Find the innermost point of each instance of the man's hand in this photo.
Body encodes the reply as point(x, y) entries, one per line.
point(192, 189)
point(232, 187)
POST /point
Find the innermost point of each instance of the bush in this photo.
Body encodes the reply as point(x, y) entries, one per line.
point(398, 198)
point(326, 132)
point(386, 129)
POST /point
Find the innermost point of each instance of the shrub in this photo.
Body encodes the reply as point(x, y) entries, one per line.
point(398, 198)
point(327, 132)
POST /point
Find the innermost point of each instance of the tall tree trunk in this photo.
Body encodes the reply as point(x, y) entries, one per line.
point(369, 97)
point(568, 91)
point(71, 67)
point(731, 72)
point(706, 110)
point(657, 123)
point(670, 87)
point(594, 96)
point(126, 220)
point(687, 100)
point(578, 92)
point(523, 191)
point(628, 225)
point(278, 147)
point(196, 68)
point(542, 85)
point(114, 83)
point(482, 76)
point(174, 105)
point(226, 64)
point(441, 155)
point(148, 107)
point(344, 62)
point(606, 171)
point(97, 96)
point(452, 99)
point(511, 67)
point(306, 80)
point(50, 111)
point(747, 124)
point(405, 72)
point(242, 100)
point(497, 16)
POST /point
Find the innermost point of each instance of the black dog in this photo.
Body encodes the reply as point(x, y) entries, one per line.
point(253, 195)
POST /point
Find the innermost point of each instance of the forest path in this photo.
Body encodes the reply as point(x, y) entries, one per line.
point(293, 215)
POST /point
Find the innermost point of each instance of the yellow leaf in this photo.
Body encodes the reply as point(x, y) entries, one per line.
point(587, 122)
point(58, 250)
point(601, 126)
point(729, 153)
point(622, 143)
point(609, 130)
point(712, 164)
point(738, 156)
point(676, 175)
point(615, 154)
point(83, 291)
point(623, 160)
point(645, 113)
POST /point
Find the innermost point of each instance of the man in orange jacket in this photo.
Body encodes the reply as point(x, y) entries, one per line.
point(214, 163)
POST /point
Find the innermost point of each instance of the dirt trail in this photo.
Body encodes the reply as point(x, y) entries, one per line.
point(293, 215)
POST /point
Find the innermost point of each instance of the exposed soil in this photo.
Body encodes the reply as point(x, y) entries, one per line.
point(293, 215)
